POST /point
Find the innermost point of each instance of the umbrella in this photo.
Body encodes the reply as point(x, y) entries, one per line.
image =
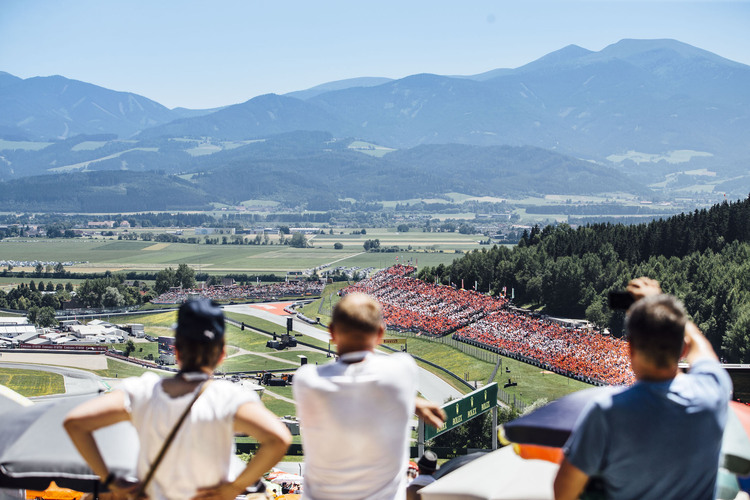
point(280, 477)
point(552, 424)
point(35, 449)
point(500, 475)
point(455, 463)
point(736, 444)
point(10, 400)
point(54, 492)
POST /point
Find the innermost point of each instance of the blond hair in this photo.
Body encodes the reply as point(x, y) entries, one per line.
point(357, 313)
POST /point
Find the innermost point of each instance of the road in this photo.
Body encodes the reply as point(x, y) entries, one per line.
point(430, 385)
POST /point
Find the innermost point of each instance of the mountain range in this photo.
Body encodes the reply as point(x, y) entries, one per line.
point(658, 110)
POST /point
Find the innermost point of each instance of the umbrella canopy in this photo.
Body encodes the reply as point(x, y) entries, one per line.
point(35, 449)
point(283, 477)
point(552, 424)
point(10, 400)
point(455, 463)
point(736, 444)
point(54, 492)
point(500, 475)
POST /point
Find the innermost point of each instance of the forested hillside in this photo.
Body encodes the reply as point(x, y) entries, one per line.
point(106, 191)
point(702, 257)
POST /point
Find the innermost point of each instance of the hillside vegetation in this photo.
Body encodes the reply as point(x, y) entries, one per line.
point(297, 168)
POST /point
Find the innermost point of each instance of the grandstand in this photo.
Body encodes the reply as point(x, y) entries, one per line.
point(410, 304)
point(225, 293)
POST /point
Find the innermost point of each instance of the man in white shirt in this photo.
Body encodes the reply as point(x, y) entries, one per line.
point(355, 412)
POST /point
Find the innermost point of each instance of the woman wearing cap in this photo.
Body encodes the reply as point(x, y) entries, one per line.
point(197, 461)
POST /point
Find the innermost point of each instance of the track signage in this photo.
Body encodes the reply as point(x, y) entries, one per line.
point(462, 410)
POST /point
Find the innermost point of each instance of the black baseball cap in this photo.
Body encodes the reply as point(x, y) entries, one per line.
point(428, 462)
point(201, 320)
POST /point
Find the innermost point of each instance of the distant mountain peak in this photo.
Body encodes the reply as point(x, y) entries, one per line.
point(365, 81)
point(643, 51)
point(566, 55)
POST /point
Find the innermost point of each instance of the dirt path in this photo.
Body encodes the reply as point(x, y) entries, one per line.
point(262, 355)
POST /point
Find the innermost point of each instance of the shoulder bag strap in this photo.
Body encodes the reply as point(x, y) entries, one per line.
point(168, 441)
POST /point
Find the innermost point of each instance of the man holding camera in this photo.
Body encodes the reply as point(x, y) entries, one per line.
point(661, 437)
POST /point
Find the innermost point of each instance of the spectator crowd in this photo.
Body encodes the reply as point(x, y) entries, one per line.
point(410, 304)
point(572, 351)
point(413, 305)
point(243, 292)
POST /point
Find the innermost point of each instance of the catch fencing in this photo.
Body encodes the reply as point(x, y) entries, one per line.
point(476, 352)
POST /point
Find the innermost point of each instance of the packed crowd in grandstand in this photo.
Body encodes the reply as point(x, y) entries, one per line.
point(410, 304)
point(567, 350)
point(244, 292)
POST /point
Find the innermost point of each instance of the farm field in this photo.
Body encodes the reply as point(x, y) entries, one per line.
point(98, 255)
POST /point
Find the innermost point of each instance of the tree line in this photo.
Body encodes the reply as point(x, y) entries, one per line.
point(702, 257)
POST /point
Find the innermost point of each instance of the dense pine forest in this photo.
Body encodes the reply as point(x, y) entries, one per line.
point(702, 257)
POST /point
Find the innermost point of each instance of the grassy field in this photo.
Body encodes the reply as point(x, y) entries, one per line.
point(26, 145)
point(313, 357)
point(32, 382)
point(533, 383)
point(97, 255)
point(329, 298)
point(142, 349)
point(278, 406)
point(121, 369)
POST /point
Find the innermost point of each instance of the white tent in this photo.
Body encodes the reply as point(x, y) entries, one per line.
point(500, 475)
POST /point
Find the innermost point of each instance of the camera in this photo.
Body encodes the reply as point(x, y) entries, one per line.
point(620, 300)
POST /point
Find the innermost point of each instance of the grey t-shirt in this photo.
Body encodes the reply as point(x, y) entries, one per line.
point(656, 440)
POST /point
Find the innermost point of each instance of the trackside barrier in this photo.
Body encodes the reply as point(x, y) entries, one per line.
point(296, 450)
point(445, 370)
point(491, 354)
point(482, 354)
point(92, 349)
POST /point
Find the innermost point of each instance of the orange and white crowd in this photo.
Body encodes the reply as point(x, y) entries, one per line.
point(244, 292)
point(412, 304)
point(561, 349)
point(436, 310)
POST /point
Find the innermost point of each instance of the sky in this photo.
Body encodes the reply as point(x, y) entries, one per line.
point(205, 54)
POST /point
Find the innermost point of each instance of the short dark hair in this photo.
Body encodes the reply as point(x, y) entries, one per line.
point(656, 328)
point(357, 313)
point(194, 356)
point(199, 336)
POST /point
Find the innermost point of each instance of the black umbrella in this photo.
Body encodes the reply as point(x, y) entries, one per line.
point(457, 462)
point(552, 424)
point(35, 449)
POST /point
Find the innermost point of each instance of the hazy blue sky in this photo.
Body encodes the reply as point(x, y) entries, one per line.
point(211, 53)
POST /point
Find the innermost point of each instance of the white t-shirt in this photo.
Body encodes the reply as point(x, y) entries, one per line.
point(355, 425)
point(200, 453)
